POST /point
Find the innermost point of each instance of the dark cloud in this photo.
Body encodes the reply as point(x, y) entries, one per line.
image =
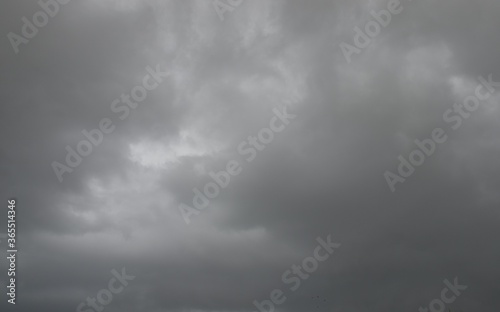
point(322, 175)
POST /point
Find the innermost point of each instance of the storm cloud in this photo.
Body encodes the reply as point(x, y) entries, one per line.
point(222, 81)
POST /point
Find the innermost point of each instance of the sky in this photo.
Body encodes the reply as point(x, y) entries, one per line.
point(208, 148)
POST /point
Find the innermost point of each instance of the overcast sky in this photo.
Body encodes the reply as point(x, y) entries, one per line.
point(225, 74)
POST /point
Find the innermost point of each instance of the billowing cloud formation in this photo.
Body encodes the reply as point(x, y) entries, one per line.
point(322, 175)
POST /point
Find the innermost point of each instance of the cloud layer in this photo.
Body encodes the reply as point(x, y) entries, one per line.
point(323, 175)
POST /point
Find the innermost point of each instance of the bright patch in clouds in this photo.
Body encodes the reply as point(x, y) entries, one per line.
point(156, 154)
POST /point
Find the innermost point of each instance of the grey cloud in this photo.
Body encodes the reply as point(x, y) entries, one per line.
point(322, 175)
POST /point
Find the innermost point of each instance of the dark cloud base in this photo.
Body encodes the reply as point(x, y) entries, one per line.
point(324, 174)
